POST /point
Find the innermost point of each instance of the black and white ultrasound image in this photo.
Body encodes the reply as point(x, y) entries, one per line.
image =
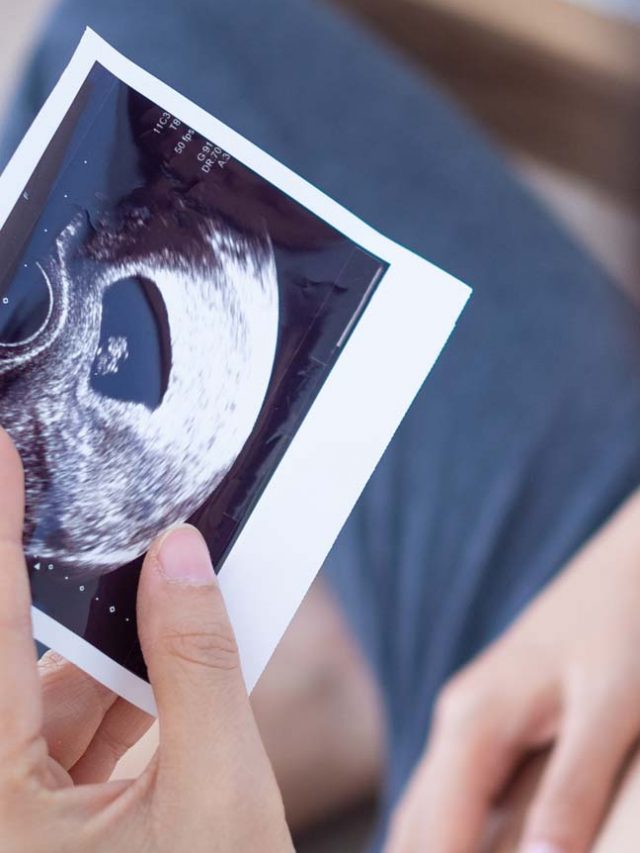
point(167, 317)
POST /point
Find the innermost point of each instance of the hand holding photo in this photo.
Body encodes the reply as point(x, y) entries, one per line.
point(190, 332)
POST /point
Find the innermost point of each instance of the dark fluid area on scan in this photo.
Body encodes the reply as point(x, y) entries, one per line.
point(25, 302)
point(133, 359)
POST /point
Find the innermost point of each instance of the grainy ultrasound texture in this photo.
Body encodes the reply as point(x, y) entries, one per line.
point(108, 474)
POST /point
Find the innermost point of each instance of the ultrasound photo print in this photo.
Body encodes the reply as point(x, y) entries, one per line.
point(111, 462)
point(167, 317)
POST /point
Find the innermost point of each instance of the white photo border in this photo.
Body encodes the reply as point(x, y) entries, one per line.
point(331, 457)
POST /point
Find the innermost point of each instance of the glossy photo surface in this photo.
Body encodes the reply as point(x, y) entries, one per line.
point(167, 318)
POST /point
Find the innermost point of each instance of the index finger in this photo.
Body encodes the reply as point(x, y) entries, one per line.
point(20, 699)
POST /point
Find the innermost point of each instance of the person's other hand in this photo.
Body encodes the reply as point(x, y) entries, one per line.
point(565, 676)
point(209, 787)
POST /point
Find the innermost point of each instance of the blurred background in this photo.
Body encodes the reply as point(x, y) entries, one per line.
point(556, 83)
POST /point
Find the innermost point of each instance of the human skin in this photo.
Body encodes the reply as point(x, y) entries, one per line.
point(317, 686)
point(209, 785)
point(573, 648)
point(564, 679)
point(620, 830)
point(317, 708)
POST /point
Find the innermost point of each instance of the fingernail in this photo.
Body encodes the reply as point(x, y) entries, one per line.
point(184, 557)
point(541, 847)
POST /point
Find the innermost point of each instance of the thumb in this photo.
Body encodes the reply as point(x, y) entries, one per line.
point(189, 647)
point(20, 697)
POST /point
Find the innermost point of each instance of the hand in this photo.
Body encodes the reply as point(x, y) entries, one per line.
point(209, 787)
point(565, 676)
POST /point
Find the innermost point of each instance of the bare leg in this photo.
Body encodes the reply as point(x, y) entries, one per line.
point(319, 715)
point(622, 831)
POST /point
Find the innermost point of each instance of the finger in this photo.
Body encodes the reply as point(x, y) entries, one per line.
point(20, 701)
point(580, 780)
point(477, 742)
point(453, 780)
point(74, 707)
point(122, 727)
point(189, 647)
point(86, 726)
